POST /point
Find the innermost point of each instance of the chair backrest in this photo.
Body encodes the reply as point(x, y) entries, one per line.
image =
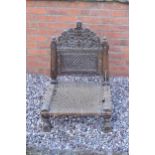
point(79, 51)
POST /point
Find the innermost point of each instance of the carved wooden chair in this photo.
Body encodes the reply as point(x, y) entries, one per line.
point(78, 51)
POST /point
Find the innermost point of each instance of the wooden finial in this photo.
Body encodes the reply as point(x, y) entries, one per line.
point(79, 25)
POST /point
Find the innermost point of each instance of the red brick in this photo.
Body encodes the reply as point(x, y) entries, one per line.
point(119, 70)
point(38, 61)
point(33, 10)
point(75, 4)
point(119, 49)
point(29, 69)
point(48, 32)
point(46, 19)
point(120, 21)
point(115, 68)
point(119, 62)
point(120, 28)
point(31, 31)
point(57, 25)
point(32, 25)
point(44, 71)
point(67, 12)
point(118, 13)
point(43, 45)
point(42, 32)
point(31, 44)
point(105, 20)
point(68, 19)
point(66, 4)
point(123, 56)
point(95, 12)
point(125, 49)
point(52, 11)
point(52, 18)
point(108, 27)
point(30, 17)
point(119, 73)
point(116, 35)
point(40, 38)
point(119, 42)
point(38, 51)
point(115, 6)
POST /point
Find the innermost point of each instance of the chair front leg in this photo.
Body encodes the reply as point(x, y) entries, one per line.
point(107, 121)
point(46, 126)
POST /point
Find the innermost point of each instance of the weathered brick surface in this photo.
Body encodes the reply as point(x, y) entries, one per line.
point(50, 18)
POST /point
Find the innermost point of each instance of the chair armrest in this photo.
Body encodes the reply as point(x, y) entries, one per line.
point(47, 98)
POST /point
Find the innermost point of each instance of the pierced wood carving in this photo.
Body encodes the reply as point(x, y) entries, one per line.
point(79, 50)
point(78, 38)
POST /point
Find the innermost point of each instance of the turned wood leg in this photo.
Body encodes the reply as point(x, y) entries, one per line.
point(46, 124)
point(107, 121)
point(45, 114)
point(53, 81)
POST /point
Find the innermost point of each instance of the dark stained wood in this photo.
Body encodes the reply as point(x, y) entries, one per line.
point(105, 61)
point(53, 59)
point(79, 51)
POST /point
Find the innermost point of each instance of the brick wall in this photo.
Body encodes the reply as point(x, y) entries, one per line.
point(50, 18)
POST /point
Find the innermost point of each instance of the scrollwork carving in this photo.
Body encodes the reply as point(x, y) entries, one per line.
point(78, 38)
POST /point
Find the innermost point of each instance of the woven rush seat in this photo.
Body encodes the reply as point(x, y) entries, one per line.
point(76, 98)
